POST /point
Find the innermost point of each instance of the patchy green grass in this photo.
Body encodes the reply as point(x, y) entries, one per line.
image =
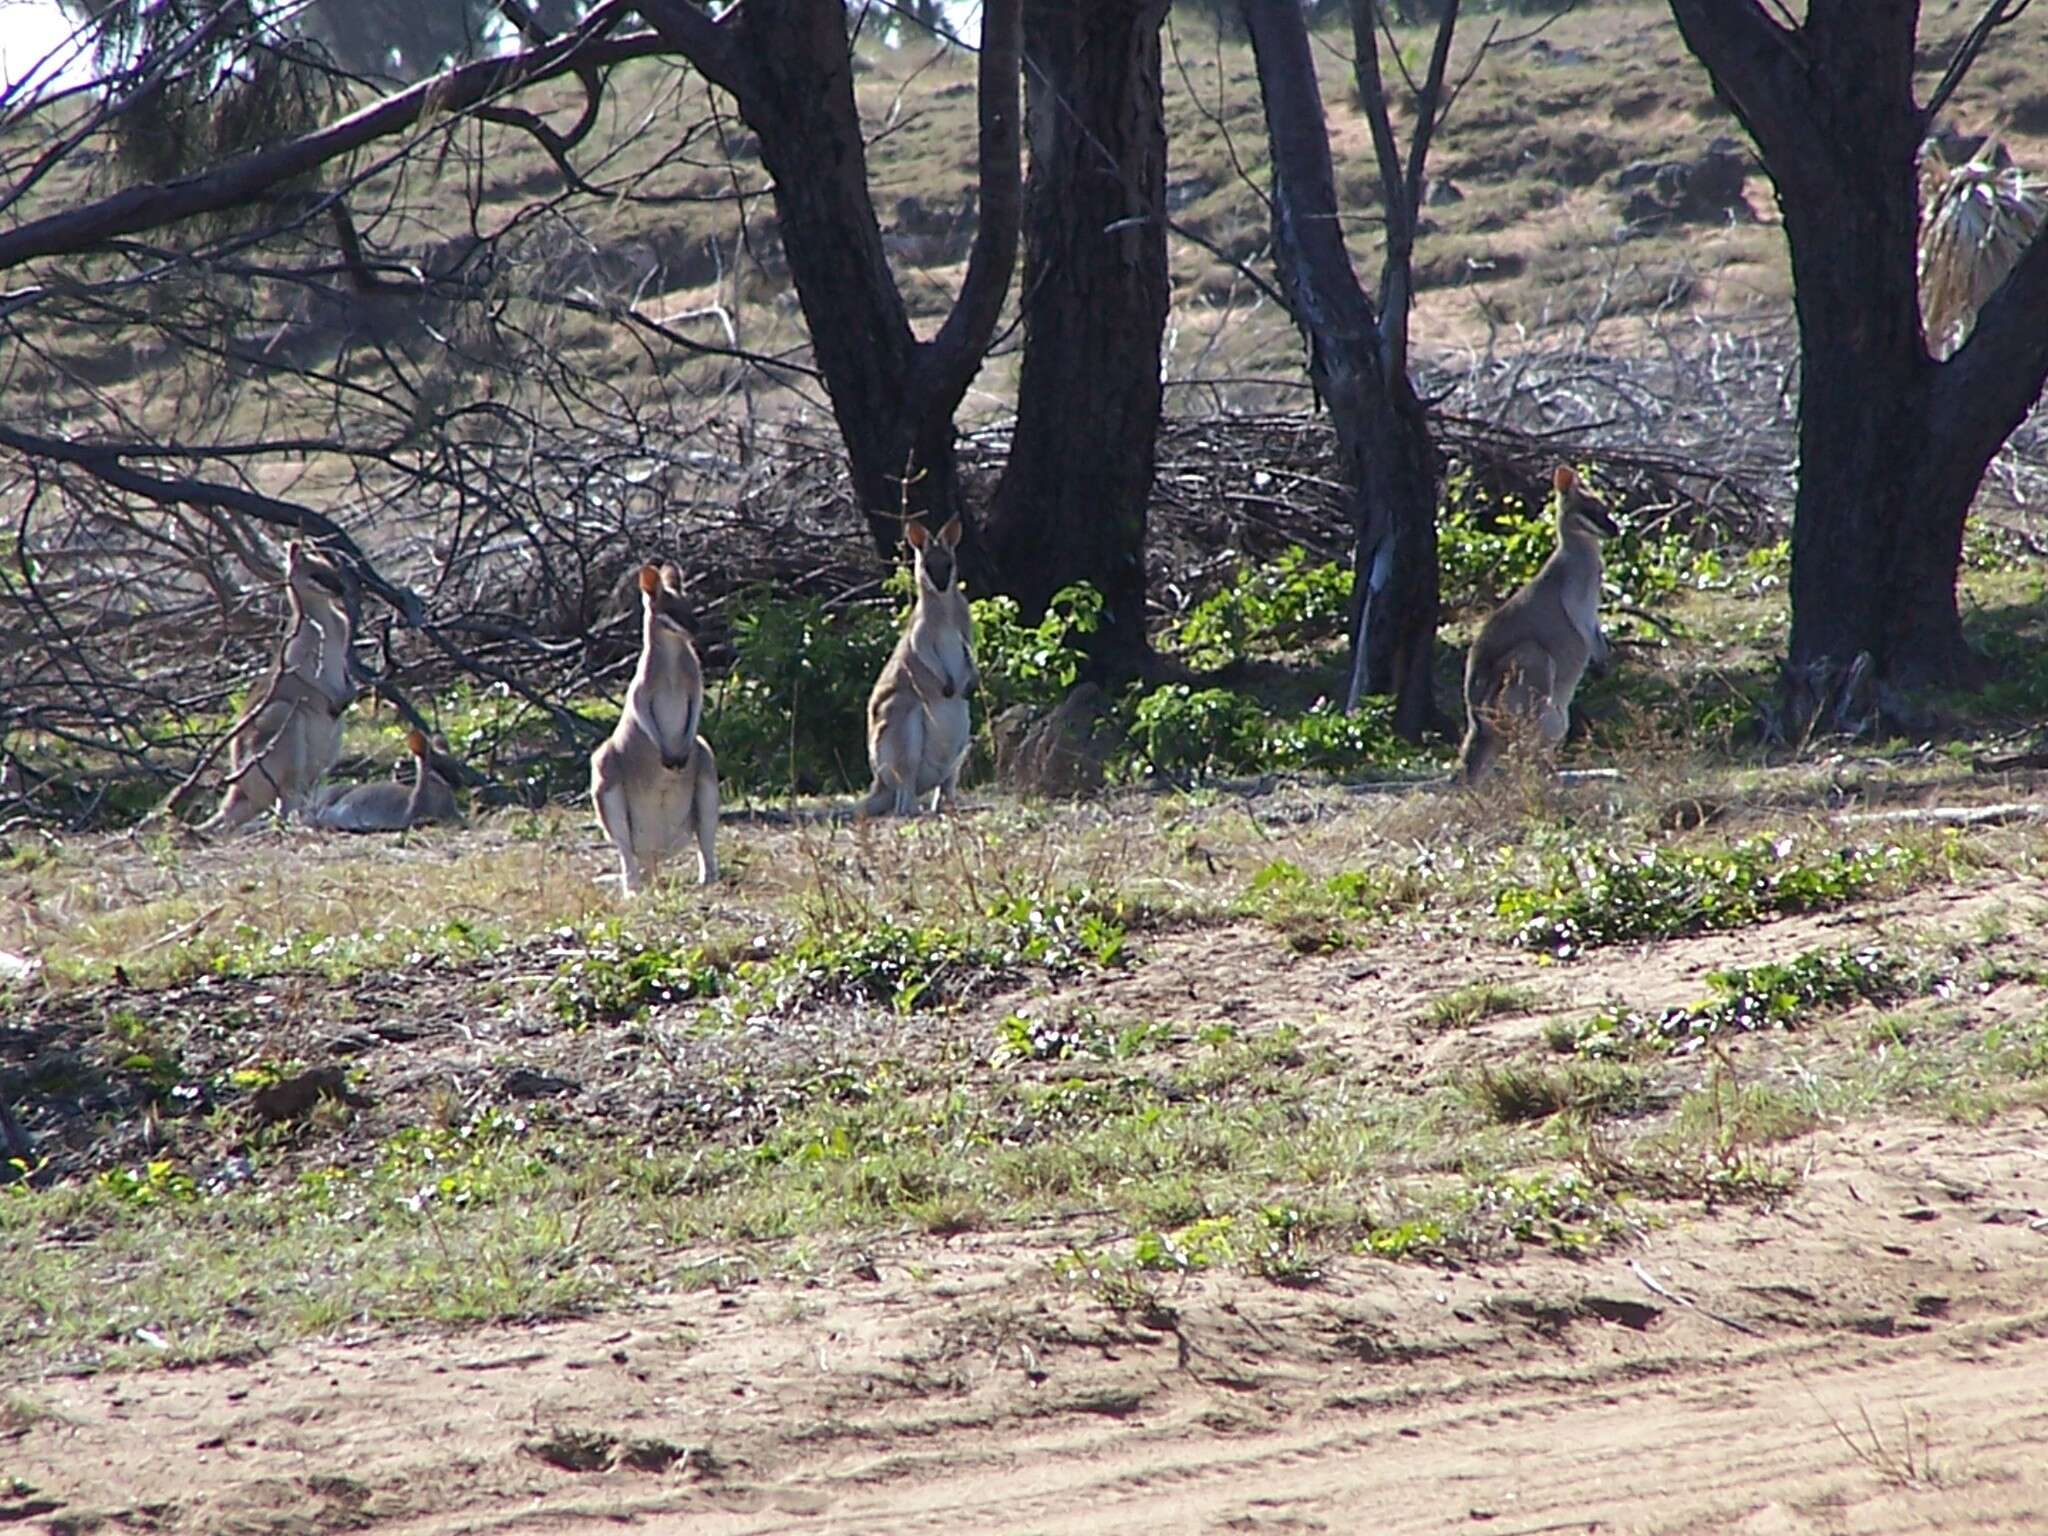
point(1779, 995)
point(1321, 912)
point(1588, 895)
point(1462, 1007)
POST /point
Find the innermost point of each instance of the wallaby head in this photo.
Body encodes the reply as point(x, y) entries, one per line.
point(661, 596)
point(1578, 511)
point(934, 557)
point(311, 574)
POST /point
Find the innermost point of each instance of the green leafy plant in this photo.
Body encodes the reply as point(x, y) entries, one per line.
point(1271, 606)
point(1487, 546)
point(1597, 895)
point(159, 1182)
point(1747, 999)
point(617, 976)
point(1032, 663)
point(787, 716)
point(1314, 913)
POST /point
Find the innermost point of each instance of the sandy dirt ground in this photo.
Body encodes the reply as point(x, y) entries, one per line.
point(1872, 1357)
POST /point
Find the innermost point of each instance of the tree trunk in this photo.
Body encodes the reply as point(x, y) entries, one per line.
point(1877, 530)
point(1072, 503)
point(1892, 445)
point(800, 103)
point(788, 65)
point(1361, 376)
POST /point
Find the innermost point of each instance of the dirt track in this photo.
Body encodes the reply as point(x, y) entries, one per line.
point(1873, 1358)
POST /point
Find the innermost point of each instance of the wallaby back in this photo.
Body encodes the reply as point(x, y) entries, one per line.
point(1530, 654)
point(392, 807)
point(284, 746)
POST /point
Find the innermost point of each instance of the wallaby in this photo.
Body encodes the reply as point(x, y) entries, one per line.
point(919, 724)
point(284, 746)
point(1529, 656)
point(390, 806)
point(655, 782)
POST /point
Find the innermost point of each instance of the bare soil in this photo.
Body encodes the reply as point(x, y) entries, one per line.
point(1864, 1355)
point(1868, 1358)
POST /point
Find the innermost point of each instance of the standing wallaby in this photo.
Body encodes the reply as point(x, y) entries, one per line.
point(919, 724)
point(285, 745)
point(655, 781)
point(389, 807)
point(1529, 656)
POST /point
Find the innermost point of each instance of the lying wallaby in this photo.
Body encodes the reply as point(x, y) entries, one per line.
point(285, 745)
point(1529, 656)
point(390, 806)
point(655, 781)
point(919, 725)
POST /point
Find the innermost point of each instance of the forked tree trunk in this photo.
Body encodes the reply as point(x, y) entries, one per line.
point(1072, 504)
point(1360, 371)
point(1892, 445)
point(788, 65)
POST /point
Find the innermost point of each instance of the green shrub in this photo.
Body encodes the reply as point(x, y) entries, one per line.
point(1032, 663)
point(1182, 731)
point(790, 716)
point(1487, 546)
point(1179, 729)
point(1604, 895)
point(1280, 605)
point(1748, 999)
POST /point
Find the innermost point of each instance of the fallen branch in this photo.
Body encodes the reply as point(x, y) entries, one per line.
point(1955, 815)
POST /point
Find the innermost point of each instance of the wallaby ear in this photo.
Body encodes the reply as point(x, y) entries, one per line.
point(915, 531)
point(650, 578)
point(672, 577)
point(416, 744)
point(1566, 479)
point(950, 534)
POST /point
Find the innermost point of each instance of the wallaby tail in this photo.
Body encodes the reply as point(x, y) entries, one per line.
point(880, 801)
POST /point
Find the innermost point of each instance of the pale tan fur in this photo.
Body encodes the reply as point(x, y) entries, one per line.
point(655, 782)
point(1529, 656)
point(919, 723)
point(282, 751)
point(390, 806)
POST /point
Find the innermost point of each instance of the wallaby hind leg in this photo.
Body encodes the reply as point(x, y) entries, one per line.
point(1481, 747)
point(704, 809)
point(899, 746)
point(618, 826)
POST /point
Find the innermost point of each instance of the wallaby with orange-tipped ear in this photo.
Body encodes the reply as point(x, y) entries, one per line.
point(284, 747)
point(390, 807)
point(1529, 656)
point(919, 722)
point(655, 781)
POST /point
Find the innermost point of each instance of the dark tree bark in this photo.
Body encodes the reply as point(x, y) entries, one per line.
point(1892, 444)
point(1358, 354)
point(788, 67)
point(1072, 503)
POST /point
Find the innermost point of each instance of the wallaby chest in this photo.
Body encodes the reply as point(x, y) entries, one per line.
point(938, 635)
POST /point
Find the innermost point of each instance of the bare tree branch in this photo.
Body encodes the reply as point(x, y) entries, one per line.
point(250, 176)
point(1999, 13)
point(952, 357)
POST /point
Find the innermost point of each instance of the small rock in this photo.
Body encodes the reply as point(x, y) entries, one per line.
point(1624, 1310)
point(1061, 753)
point(574, 1450)
point(293, 1098)
point(524, 1083)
